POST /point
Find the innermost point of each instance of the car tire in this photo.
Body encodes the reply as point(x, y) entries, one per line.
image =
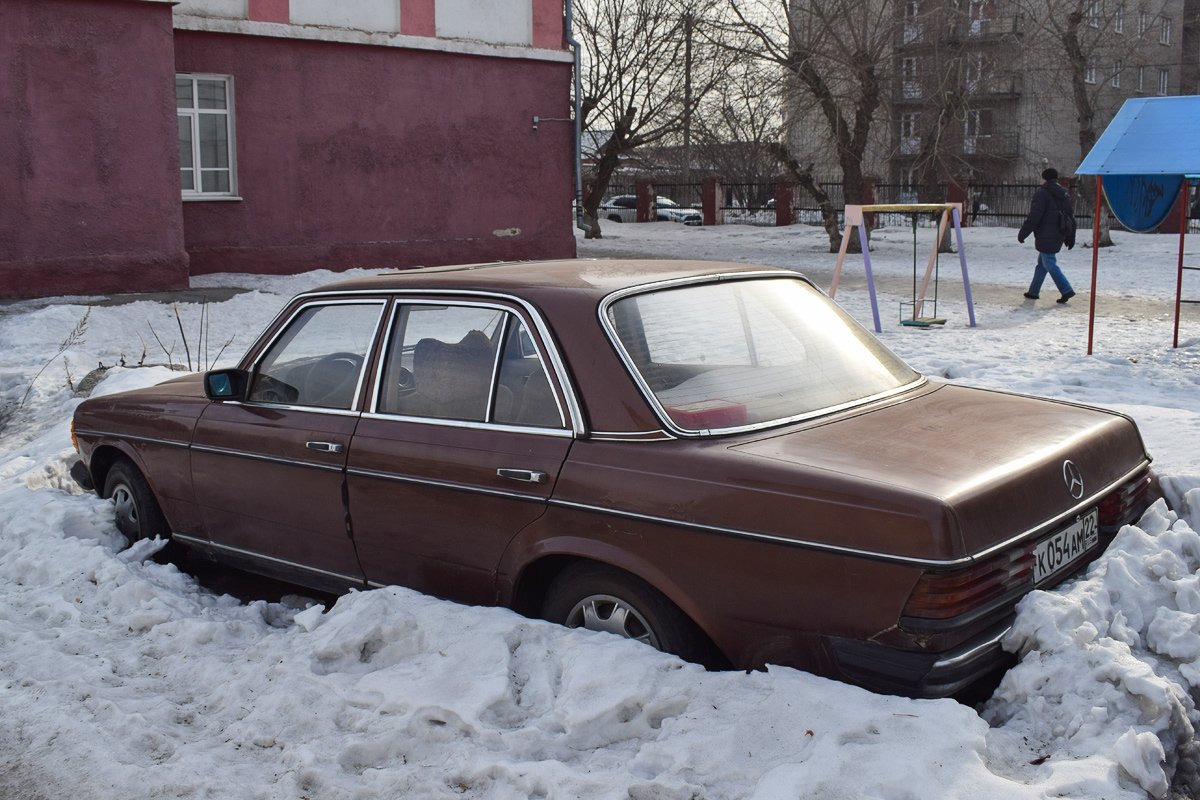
point(138, 513)
point(600, 597)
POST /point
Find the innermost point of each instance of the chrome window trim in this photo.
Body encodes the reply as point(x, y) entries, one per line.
point(130, 437)
point(482, 426)
point(382, 302)
point(254, 555)
point(291, 462)
point(552, 353)
point(340, 412)
point(490, 412)
point(929, 563)
point(652, 400)
point(457, 487)
point(399, 298)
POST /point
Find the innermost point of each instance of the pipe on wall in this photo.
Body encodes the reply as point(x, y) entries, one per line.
point(575, 47)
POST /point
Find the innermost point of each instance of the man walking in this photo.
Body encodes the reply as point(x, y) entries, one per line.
point(1051, 229)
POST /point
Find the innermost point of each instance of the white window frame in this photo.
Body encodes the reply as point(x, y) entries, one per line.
point(1089, 73)
point(1118, 65)
point(1092, 14)
point(1143, 23)
point(192, 115)
point(1163, 81)
point(1119, 18)
point(1164, 31)
point(1141, 82)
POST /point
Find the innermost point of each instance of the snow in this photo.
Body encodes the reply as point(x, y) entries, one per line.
point(122, 677)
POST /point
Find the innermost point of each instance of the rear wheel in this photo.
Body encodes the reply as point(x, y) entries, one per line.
point(602, 598)
point(138, 513)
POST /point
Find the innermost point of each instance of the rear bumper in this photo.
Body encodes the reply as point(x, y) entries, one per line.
point(887, 669)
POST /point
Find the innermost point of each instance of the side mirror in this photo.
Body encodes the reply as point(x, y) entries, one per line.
point(226, 384)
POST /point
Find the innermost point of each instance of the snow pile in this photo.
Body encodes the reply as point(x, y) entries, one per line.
point(1114, 656)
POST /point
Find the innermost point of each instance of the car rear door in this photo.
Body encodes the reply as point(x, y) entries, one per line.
point(460, 447)
point(269, 472)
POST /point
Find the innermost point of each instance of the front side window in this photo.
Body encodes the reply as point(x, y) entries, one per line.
point(204, 111)
point(318, 359)
point(467, 363)
point(728, 355)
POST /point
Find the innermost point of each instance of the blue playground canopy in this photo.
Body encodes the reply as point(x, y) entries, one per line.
point(1142, 161)
point(1149, 136)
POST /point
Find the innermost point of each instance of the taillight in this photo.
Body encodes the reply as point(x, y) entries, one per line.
point(1118, 506)
point(74, 441)
point(941, 595)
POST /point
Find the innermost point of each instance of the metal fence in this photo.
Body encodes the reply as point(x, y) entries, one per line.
point(991, 205)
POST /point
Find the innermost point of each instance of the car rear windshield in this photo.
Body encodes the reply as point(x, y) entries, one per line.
point(743, 353)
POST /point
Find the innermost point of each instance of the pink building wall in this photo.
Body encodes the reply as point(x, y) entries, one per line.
point(89, 159)
point(362, 156)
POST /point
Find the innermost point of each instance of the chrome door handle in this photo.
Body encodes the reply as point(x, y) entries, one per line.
point(523, 475)
point(324, 447)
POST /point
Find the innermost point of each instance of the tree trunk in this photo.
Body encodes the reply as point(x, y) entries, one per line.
point(610, 159)
point(1086, 115)
point(803, 177)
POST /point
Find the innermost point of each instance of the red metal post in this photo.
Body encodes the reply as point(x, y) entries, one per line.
point(1183, 223)
point(1096, 212)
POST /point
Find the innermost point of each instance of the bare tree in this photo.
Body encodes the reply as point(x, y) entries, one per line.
point(836, 55)
point(644, 72)
point(1089, 48)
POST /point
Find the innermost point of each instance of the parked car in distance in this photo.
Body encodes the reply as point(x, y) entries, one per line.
point(623, 208)
point(711, 458)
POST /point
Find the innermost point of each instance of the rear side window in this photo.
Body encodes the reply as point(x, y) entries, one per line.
point(467, 363)
point(318, 359)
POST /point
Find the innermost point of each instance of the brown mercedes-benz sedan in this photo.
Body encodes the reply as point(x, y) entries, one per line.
point(712, 458)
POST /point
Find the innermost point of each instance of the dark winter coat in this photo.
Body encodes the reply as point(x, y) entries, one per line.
point(1042, 221)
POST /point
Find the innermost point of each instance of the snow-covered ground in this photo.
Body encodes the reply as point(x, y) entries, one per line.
point(121, 677)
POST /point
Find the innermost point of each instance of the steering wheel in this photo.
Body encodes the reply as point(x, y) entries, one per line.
point(331, 380)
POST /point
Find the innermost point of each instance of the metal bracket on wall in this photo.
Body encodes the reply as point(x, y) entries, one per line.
point(536, 120)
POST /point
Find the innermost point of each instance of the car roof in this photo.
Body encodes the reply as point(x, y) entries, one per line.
point(534, 280)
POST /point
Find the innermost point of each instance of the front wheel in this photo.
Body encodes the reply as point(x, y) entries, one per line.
point(601, 598)
point(138, 513)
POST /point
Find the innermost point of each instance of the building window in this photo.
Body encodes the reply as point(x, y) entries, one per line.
point(1116, 76)
point(1092, 14)
point(910, 143)
point(1164, 31)
point(1162, 81)
point(1143, 23)
point(1089, 74)
point(908, 74)
point(204, 108)
point(1119, 18)
point(1141, 78)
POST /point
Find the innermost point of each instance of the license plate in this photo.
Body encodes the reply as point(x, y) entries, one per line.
point(1059, 550)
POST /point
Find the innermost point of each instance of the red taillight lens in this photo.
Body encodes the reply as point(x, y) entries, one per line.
point(940, 595)
point(74, 441)
point(1118, 507)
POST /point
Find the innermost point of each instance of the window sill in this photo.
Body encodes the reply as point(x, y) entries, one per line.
point(208, 198)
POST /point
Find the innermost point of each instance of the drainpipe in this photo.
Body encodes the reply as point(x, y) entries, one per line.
point(575, 47)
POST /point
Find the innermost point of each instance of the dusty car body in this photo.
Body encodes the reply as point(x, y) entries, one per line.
point(712, 458)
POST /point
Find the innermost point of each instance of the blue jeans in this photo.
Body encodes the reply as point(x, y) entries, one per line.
point(1048, 264)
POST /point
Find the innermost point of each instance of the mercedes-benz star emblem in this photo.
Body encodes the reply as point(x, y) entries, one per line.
point(1073, 478)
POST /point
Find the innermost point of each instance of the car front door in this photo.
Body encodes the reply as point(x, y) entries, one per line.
point(269, 472)
point(459, 450)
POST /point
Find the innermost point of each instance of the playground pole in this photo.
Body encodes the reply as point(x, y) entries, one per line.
point(1096, 211)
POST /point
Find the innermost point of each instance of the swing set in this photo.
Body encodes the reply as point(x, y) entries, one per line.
point(951, 212)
